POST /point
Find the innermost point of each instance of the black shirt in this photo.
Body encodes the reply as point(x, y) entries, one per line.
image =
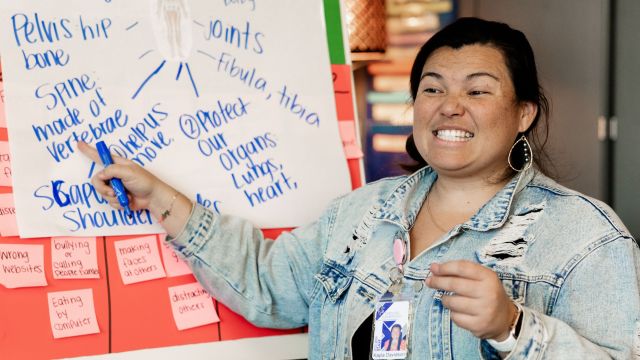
point(361, 341)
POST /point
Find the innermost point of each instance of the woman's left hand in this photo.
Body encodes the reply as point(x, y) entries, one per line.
point(479, 302)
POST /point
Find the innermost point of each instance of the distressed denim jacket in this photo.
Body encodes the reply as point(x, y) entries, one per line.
point(566, 258)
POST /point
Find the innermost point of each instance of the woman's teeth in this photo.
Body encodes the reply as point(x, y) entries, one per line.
point(453, 135)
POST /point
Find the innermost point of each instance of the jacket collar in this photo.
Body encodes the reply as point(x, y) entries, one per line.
point(403, 204)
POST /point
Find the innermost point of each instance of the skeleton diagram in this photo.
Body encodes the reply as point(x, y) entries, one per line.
point(173, 31)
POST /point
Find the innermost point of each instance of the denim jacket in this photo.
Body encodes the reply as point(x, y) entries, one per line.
point(565, 257)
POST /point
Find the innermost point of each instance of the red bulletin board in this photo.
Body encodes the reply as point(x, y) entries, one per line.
point(130, 317)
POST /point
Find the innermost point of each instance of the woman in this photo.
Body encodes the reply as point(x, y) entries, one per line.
point(395, 341)
point(514, 263)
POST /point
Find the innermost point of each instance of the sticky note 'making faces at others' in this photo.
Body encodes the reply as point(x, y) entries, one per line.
point(139, 259)
point(72, 313)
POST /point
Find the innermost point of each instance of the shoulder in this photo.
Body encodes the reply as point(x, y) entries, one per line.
point(565, 226)
point(572, 208)
point(371, 194)
point(353, 212)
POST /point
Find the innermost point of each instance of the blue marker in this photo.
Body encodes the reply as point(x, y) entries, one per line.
point(116, 183)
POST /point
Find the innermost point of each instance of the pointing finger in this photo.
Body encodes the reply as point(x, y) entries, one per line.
point(89, 151)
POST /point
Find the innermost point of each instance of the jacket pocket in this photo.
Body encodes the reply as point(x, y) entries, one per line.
point(329, 309)
point(514, 286)
point(335, 279)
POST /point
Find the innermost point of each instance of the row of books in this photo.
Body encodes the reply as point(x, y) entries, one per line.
point(410, 23)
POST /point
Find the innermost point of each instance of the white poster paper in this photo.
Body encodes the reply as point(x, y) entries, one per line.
point(230, 102)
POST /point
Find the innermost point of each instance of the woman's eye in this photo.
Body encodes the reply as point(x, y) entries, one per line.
point(477, 92)
point(431, 90)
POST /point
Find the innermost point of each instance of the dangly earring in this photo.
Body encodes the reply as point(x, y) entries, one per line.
point(526, 152)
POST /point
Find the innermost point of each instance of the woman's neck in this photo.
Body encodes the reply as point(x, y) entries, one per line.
point(465, 193)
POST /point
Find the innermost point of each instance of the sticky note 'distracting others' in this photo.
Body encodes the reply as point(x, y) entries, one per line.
point(192, 306)
point(139, 259)
point(72, 313)
point(22, 265)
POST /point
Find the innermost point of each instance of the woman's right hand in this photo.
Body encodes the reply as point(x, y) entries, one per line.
point(139, 183)
point(144, 189)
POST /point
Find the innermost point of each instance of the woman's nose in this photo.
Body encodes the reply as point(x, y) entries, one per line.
point(452, 106)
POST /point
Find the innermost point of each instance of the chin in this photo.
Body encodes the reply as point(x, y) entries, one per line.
point(448, 163)
point(452, 169)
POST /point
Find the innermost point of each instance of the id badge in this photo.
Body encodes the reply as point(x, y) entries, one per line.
point(392, 326)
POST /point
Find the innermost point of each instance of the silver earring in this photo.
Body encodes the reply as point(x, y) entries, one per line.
point(527, 154)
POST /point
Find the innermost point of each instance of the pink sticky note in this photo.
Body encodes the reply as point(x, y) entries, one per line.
point(348, 135)
point(72, 313)
point(192, 306)
point(74, 258)
point(139, 259)
point(22, 265)
point(8, 223)
point(5, 164)
point(172, 263)
point(3, 118)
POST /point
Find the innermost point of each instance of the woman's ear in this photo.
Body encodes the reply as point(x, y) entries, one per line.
point(528, 112)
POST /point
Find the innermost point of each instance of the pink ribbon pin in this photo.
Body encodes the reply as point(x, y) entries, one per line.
point(399, 253)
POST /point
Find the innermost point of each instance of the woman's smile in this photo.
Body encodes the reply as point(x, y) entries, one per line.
point(453, 135)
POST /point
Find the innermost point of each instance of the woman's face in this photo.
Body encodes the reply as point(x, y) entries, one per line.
point(395, 332)
point(466, 117)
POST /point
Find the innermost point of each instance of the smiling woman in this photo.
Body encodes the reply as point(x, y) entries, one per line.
point(505, 67)
point(510, 258)
point(466, 113)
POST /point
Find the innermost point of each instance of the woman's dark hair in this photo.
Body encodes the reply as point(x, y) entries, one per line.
point(519, 59)
point(390, 338)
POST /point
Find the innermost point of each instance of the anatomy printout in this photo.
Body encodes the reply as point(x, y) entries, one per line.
point(230, 102)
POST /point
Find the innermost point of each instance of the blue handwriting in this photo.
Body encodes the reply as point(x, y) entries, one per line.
point(236, 156)
point(98, 30)
point(80, 220)
point(62, 150)
point(271, 191)
point(144, 139)
point(59, 193)
point(228, 64)
point(235, 36)
point(32, 30)
point(290, 102)
point(192, 126)
point(256, 172)
point(46, 59)
point(64, 91)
